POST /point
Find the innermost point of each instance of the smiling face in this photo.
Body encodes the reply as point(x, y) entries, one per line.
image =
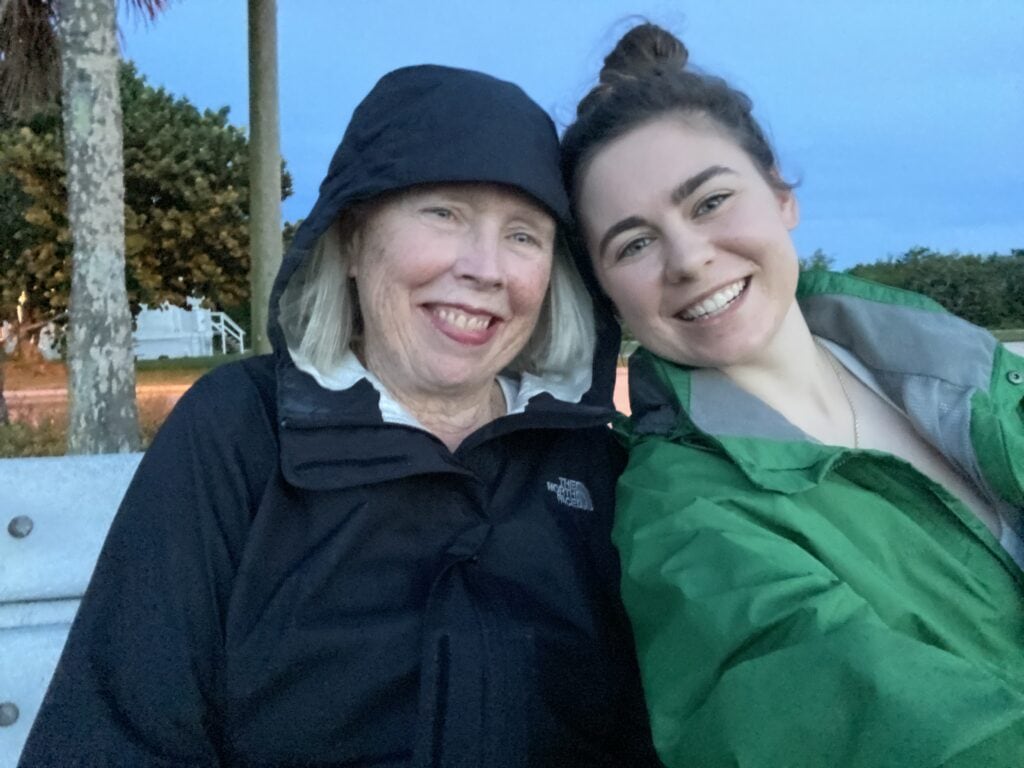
point(451, 280)
point(690, 242)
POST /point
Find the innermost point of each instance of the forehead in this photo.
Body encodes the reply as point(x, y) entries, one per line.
point(665, 147)
point(482, 194)
point(648, 163)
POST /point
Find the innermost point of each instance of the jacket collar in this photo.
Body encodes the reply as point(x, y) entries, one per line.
point(906, 342)
point(347, 430)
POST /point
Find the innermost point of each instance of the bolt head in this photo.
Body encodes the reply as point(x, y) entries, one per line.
point(20, 526)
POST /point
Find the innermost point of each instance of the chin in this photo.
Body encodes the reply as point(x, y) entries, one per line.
point(455, 378)
point(721, 356)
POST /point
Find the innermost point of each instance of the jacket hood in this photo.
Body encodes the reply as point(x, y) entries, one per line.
point(433, 124)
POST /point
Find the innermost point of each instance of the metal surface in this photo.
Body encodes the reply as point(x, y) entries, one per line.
point(70, 501)
point(56, 512)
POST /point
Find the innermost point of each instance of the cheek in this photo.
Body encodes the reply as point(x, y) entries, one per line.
point(530, 287)
point(630, 292)
point(786, 266)
point(373, 292)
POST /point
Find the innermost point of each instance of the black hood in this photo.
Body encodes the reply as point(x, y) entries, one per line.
point(433, 124)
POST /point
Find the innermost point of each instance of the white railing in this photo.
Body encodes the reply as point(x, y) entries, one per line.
point(228, 330)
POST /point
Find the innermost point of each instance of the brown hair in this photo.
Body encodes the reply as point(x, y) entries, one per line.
point(646, 77)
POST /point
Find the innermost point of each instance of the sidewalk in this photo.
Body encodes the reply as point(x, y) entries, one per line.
point(60, 394)
point(42, 404)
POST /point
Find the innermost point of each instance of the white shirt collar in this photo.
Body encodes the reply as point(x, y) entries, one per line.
point(569, 387)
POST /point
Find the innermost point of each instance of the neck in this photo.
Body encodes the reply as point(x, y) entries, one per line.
point(794, 376)
point(453, 417)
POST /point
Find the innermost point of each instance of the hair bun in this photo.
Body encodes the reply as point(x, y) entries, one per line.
point(646, 50)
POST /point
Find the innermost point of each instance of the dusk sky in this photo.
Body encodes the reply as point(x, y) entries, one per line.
point(902, 120)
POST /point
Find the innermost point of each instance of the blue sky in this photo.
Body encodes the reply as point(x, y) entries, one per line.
point(903, 120)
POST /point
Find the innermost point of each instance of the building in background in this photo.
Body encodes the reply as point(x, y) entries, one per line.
point(165, 331)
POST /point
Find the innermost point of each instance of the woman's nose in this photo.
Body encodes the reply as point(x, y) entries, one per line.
point(685, 255)
point(480, 260)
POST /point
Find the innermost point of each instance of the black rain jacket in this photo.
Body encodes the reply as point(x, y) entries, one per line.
point(291, 580)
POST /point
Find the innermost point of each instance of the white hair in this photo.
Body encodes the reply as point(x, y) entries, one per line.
point(318, 310)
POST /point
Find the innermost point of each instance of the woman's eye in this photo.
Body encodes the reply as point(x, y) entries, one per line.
point(525, 238)
point(632, 248)
point(439, 212)
point(708, 204)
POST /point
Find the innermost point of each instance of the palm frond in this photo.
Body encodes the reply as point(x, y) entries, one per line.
point(30, 52)
point(147, 8)
point(29, 56)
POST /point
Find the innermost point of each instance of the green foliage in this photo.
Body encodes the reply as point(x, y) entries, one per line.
point(34, 235)
point(817, 260)
point(188, 363)
point(1009, 334)
point(18, 439)
point(288, 233)
point(48, 436)
point(987, 290)
point(186, 206)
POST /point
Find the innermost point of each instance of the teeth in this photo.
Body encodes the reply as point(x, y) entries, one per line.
point(715, 303)
point(463, 321)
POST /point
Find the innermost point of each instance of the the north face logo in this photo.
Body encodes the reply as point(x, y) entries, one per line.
point(572, 493)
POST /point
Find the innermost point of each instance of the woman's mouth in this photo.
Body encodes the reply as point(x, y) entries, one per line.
point(463, 320)
point(463, 325)
point(716, 303)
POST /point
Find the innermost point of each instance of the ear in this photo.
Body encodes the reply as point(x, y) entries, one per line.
point(789, 207)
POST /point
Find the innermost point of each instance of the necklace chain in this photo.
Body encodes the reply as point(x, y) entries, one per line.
point(834, 364)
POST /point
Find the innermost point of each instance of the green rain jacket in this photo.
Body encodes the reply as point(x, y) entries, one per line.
point(797, 604)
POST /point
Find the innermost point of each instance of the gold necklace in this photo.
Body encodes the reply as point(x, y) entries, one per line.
point(833, 363)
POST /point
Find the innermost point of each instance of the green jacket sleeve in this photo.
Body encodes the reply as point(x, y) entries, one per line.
point(754, 653)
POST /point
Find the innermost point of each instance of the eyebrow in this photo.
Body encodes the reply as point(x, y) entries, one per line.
point(468, 193)
point(617, 228)
point(689, 186)
point(679, 194)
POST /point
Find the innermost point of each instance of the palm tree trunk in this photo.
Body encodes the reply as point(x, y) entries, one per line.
point(264, 165)
point(103, 415)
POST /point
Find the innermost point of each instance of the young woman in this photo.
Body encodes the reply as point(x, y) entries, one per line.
point(820, 523)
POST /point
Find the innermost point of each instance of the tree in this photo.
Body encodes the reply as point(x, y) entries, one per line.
point(35, 240)
point(30, 64)
point(265, 162)
point(186, 207)
point(983, 289)
point(817, 260)
point(102, 412)
point(101, 383)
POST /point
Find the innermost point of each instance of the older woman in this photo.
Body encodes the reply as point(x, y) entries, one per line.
point(386, 544)
point(821, 518)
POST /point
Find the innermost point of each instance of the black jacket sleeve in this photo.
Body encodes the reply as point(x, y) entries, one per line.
point(140, 681)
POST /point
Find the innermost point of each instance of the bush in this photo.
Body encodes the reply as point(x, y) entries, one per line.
point(986, 290)
point(19, 439)
point(188, 363)
point(45, 434)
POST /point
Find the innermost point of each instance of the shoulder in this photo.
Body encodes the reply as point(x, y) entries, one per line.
point(996, 426)
point(235, 397)
point(225, 421)
point(233, 386)
point(819, 283)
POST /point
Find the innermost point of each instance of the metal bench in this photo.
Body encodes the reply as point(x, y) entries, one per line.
point(54, 513)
